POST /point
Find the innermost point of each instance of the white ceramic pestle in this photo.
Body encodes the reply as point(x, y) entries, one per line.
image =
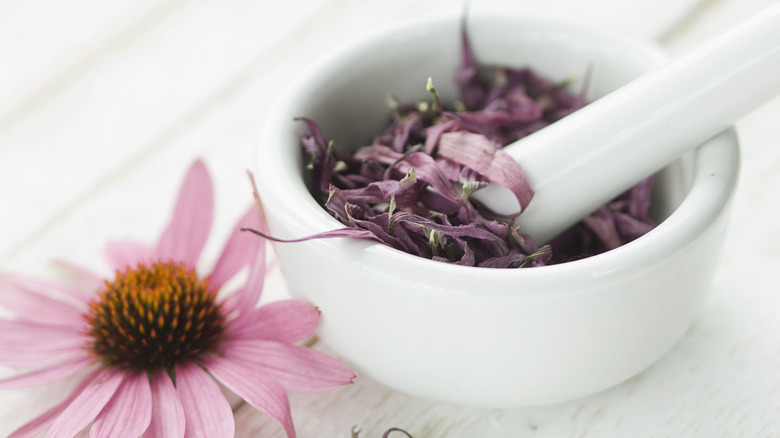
point(584, 160)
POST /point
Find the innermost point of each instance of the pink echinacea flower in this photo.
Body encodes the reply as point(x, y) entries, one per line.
point(155, 340)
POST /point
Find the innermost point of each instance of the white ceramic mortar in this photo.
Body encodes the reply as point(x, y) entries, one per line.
point(478, 336)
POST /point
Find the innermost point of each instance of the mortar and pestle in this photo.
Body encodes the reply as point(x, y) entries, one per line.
point(517, 337)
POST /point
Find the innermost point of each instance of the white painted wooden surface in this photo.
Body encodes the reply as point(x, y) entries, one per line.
point(103, 105)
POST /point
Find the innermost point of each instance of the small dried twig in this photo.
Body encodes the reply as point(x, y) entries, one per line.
point(356, 432)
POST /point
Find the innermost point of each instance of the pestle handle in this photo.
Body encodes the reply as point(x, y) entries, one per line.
point(584, 160)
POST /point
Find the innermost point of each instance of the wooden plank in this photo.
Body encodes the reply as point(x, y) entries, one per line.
point(132, 101)
point(42, 42)
point(719, 380)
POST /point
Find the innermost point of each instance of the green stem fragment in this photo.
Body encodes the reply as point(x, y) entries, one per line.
point(431, 89)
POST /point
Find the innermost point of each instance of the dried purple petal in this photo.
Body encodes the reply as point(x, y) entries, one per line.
point(409, 187)
point(354, 233)
point(468, 76)
point(433, 134)
point(630, 227)
point(423, 164)
point(476, 152)
point(638, 198)
point(602, 223)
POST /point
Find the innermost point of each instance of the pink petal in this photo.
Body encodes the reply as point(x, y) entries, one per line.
point(296, 368)
point(285, 320)
point(86, 406)
point(20, 358)
point(46, 419)
point(48, 374)
point(127, 254)
point(90, 279)
point(245, 300)
point(27, 332)
point(128, 412)
point(240, 250)
point(39, 351)
point(260, 391)
point(25, 344)
point(29, 305)
point(75, 295)
point(206, 410)
point(167, 412)
point(189, 228)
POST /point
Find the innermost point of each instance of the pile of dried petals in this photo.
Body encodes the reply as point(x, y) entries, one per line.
point(410, 187)
point(155, 340)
